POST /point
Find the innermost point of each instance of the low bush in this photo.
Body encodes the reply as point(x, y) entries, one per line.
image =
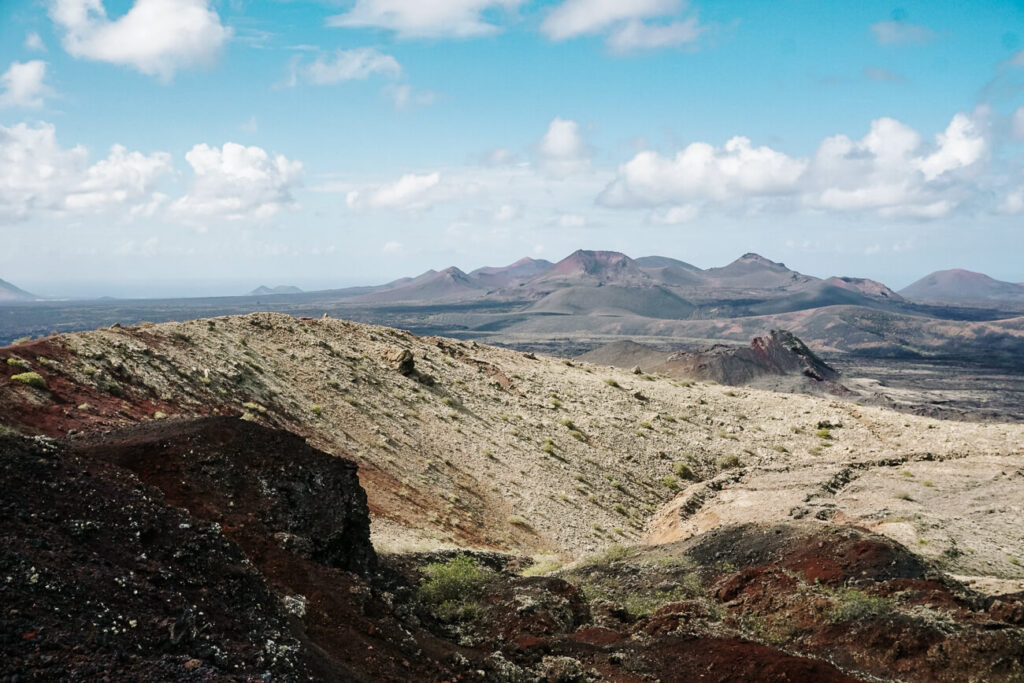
point(451, 589)
point(33, 379)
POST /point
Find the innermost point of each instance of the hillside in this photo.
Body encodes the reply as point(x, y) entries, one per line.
point(739, 531)
point(964, 287)
point(594, 442)
point(9, 293)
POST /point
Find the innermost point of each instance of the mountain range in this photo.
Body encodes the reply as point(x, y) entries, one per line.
point(662, 287)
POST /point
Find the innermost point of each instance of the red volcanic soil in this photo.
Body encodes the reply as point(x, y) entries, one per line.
point(54, 411)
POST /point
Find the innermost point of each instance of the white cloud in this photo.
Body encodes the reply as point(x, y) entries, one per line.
point(156, 37)
point(38, 176)
point(411, 191)
point(507, 212)
point(900, 32)
point(234, 182)
point(345, 65)
point(962, 144)
point(1018, 124)
point(701, 171)
point(392, 247)
point(640, 24)
point(22, 85)
point(562, 150)
point(1013, 203)
point(405, 97)
point(571, 220)
point(34, 42)
point(674, 215)
point(636, 35)
point(588, 17)
point(419, 18)
point(891, 171)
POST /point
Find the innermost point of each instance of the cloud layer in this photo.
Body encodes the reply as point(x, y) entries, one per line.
point(891, 171)
point(37, 176)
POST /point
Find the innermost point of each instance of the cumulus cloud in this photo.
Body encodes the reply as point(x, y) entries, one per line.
point(345, 65)
point(629, 26)
point(22, 85)
point(235, 182)
point(562, 150)
point(416, 18)
point(411, 191)
point(702, 171)
point(38, 176)
point(156, 37)
point(891, 171)
point(900, 32)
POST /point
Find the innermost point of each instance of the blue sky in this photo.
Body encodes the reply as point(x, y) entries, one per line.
point(157, 147)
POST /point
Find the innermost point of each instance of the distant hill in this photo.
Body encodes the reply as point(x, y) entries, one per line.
point(754, 270)
point(777, 354)
point(9, 292)
point(963, 287)
point(522, 270)
point(263, 290)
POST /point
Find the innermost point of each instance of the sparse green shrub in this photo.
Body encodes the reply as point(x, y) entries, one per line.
point(19, 363)
point(543, 565)
point(449, 401)
point(670, 482)
point(611, 381)
point(317, 410)
point(567, 423)
point(577, 434)
point(33, 379)
point(728, 462)
point(903, 495)
point(548, 448)
point(855, 605)
point(451, 589)
point(621, 509)
point(646, 425)
point(824, 433)
point(21, 340)
point(683, 471)
point(556, 403)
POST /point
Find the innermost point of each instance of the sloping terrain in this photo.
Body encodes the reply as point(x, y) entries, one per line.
point(778, 354)
point(964, 287)
point(783, 537)
point(444, 448)
point(9, 292)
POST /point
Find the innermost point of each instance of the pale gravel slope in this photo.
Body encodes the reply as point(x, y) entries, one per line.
point(464, 462)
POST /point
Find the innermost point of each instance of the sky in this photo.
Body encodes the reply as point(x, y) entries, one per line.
point(192, 147)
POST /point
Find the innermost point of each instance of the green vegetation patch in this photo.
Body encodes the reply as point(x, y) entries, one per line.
point(33, 379)
point(854, 605)
point(452, 590)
